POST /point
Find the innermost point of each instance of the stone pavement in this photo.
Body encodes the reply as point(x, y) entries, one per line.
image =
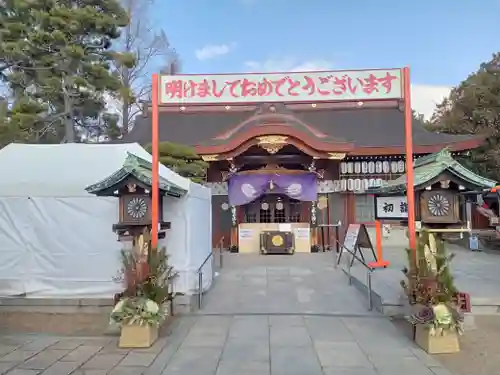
point(474, 272)
point(292, 315)
point(298, 284)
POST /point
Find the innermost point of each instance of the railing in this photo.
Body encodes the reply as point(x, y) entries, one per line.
point(199, 271)
point(350, 262)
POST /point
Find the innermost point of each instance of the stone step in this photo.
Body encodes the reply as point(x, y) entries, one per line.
point(67, 316)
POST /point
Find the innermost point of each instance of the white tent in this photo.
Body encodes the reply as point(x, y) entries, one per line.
point(56, 240)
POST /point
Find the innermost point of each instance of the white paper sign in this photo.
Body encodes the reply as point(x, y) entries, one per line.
point(391, 207)
point(285, 227)
point(302, 233)
point(351, 236)
point(245, 234)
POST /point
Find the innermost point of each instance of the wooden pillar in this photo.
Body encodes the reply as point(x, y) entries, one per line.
point(350, 203)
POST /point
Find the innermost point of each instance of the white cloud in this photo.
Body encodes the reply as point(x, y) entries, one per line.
point(424, 97)
point(211, 51)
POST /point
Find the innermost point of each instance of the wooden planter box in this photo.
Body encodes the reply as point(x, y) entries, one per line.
point(136, 336)
point(438, 344)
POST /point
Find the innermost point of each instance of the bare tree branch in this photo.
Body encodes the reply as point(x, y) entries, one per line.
point(150, 47)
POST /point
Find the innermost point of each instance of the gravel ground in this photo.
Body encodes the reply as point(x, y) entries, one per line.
point(479, 354)
point(480, 348)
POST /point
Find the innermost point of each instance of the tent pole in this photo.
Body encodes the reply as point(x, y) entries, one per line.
point(155, 192)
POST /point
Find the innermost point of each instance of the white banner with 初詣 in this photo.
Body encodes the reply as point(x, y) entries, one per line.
point(395, 207)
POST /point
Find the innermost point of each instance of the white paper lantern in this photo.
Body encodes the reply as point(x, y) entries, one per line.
point(364, 167)
point(343, 185)
point(366, 184)
point(386, 168)
point(378, 167)
point(401, 166)
point(350, 167)
point(357, 184)
point(350, 184)
point(394, 167)
point(357, 167)
point(264, 206)
point(343, 167)
point(371, 182)
point(371, 167)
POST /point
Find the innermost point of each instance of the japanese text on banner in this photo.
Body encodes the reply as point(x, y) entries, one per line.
point(321, 86)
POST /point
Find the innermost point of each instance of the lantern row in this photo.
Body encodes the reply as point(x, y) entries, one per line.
point(355, 184)
point(372, 167)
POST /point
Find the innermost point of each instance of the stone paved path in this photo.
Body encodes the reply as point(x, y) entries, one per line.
point(266, 315)
point(298, 284)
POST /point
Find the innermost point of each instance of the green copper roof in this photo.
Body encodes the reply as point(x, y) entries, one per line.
point(431, 166)
point(141, 170)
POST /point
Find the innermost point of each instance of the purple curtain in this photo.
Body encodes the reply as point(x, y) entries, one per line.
point(244, 189)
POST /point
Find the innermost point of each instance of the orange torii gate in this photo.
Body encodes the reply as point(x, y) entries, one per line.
point(408, 118)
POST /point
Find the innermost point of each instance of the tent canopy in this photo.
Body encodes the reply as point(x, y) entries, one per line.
point(65, 170)
point(56, 238)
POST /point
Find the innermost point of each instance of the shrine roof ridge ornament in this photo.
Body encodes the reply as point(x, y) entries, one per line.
point(319, 86)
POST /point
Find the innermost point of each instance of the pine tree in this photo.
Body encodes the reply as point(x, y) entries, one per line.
point(55, 56)
point(183, 160)
point(473, 108)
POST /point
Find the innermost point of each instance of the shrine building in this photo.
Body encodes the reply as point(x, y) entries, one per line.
point(289, 152)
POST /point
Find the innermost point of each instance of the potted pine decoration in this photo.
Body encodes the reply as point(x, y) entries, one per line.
point(147, 300)
point(140, 319)
point(435, 312)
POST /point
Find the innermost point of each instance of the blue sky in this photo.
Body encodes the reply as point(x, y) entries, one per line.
point(443, 41)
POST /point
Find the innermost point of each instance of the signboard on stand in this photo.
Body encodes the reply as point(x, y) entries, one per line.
point(351, 236)
point(356, 238)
